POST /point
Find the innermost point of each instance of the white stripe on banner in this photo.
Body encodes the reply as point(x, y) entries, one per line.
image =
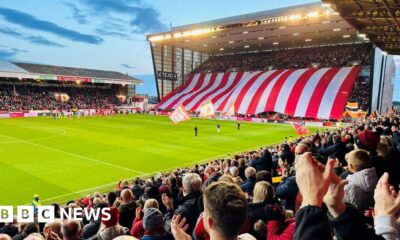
point(264, 97)
point(308, 91)
point(252, 90)
point(192, 93)
point(286, 89)
point(332, 90)
point(231, 81)
point(201, 95)
point(239, 89)
point(184, 91)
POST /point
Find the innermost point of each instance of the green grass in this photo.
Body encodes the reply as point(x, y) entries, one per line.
point(67, 158)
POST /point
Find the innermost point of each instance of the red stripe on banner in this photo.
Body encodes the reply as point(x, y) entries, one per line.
point(176, 90)
point(246, 88)
point(210, 83)
point(273, 96)
point(200, 81)
point(319, 91)
point(224, 81)
point(343, 94)
point(297, 91)
point(258, 94)
point(228, 91)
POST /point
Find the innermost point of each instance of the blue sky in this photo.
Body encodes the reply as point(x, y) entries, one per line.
point(105, 34)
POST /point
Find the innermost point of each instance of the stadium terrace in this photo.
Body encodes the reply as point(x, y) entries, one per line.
point(277, 124)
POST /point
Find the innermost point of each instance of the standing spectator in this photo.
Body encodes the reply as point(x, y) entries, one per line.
point(188, 205)
point(127, 208)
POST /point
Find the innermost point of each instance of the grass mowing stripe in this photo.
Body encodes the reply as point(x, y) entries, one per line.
point(71, 154)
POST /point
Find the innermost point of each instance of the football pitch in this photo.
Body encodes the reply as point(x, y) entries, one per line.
point(67, 158)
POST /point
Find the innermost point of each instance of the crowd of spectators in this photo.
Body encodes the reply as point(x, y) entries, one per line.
point(360, 94)
point(324, 56)
point(336, 184)
point(34, 97)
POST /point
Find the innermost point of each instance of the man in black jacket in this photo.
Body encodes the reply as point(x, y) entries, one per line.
point(336, 150)
point(188, 206)
point(127, 210)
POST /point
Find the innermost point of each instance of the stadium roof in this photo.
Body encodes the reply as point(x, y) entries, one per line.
point(290, 27)
point(58, 73)
point(379, 20)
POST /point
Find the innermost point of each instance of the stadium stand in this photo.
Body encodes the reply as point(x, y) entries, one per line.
point(35, 97)
point(326, 56)
point(276, 192)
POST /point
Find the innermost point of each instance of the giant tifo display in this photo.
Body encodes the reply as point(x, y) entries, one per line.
point(312, 93)
point(277, 124)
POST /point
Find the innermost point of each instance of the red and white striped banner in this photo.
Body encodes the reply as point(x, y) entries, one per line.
point(313, 93)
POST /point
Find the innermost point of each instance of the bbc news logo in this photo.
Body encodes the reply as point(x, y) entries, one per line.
point(44, 214)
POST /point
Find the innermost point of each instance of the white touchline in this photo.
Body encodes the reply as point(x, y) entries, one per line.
point(72, 154)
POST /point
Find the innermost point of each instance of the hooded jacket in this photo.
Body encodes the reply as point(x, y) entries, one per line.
point(360, 190)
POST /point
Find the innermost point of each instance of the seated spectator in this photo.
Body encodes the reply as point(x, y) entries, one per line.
point(137, 229)
point(263, 195)
point(248, 185)
point(369, 141)
point(26, 230)
point(71, 230)
point(278, 227)
point(34, 236)
point(11, 229)
point(90, 230)
point(362, 181)
point(110, 228)
point(153, 225)
point(211, 175)
point(52, 230)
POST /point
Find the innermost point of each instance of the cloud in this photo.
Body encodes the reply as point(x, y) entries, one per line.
point(10, 53)
point(144, 18)
point(77, 13)
point(43, 41)
point(33, 39)
point(127, 66)
point(29, 21)
point(111, 33)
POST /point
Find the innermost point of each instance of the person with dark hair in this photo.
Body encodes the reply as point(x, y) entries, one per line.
point(111, 197)
point(27, 230)
point(137, 188)
point(264, 162)
point(225, 213)
point(71, 230)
